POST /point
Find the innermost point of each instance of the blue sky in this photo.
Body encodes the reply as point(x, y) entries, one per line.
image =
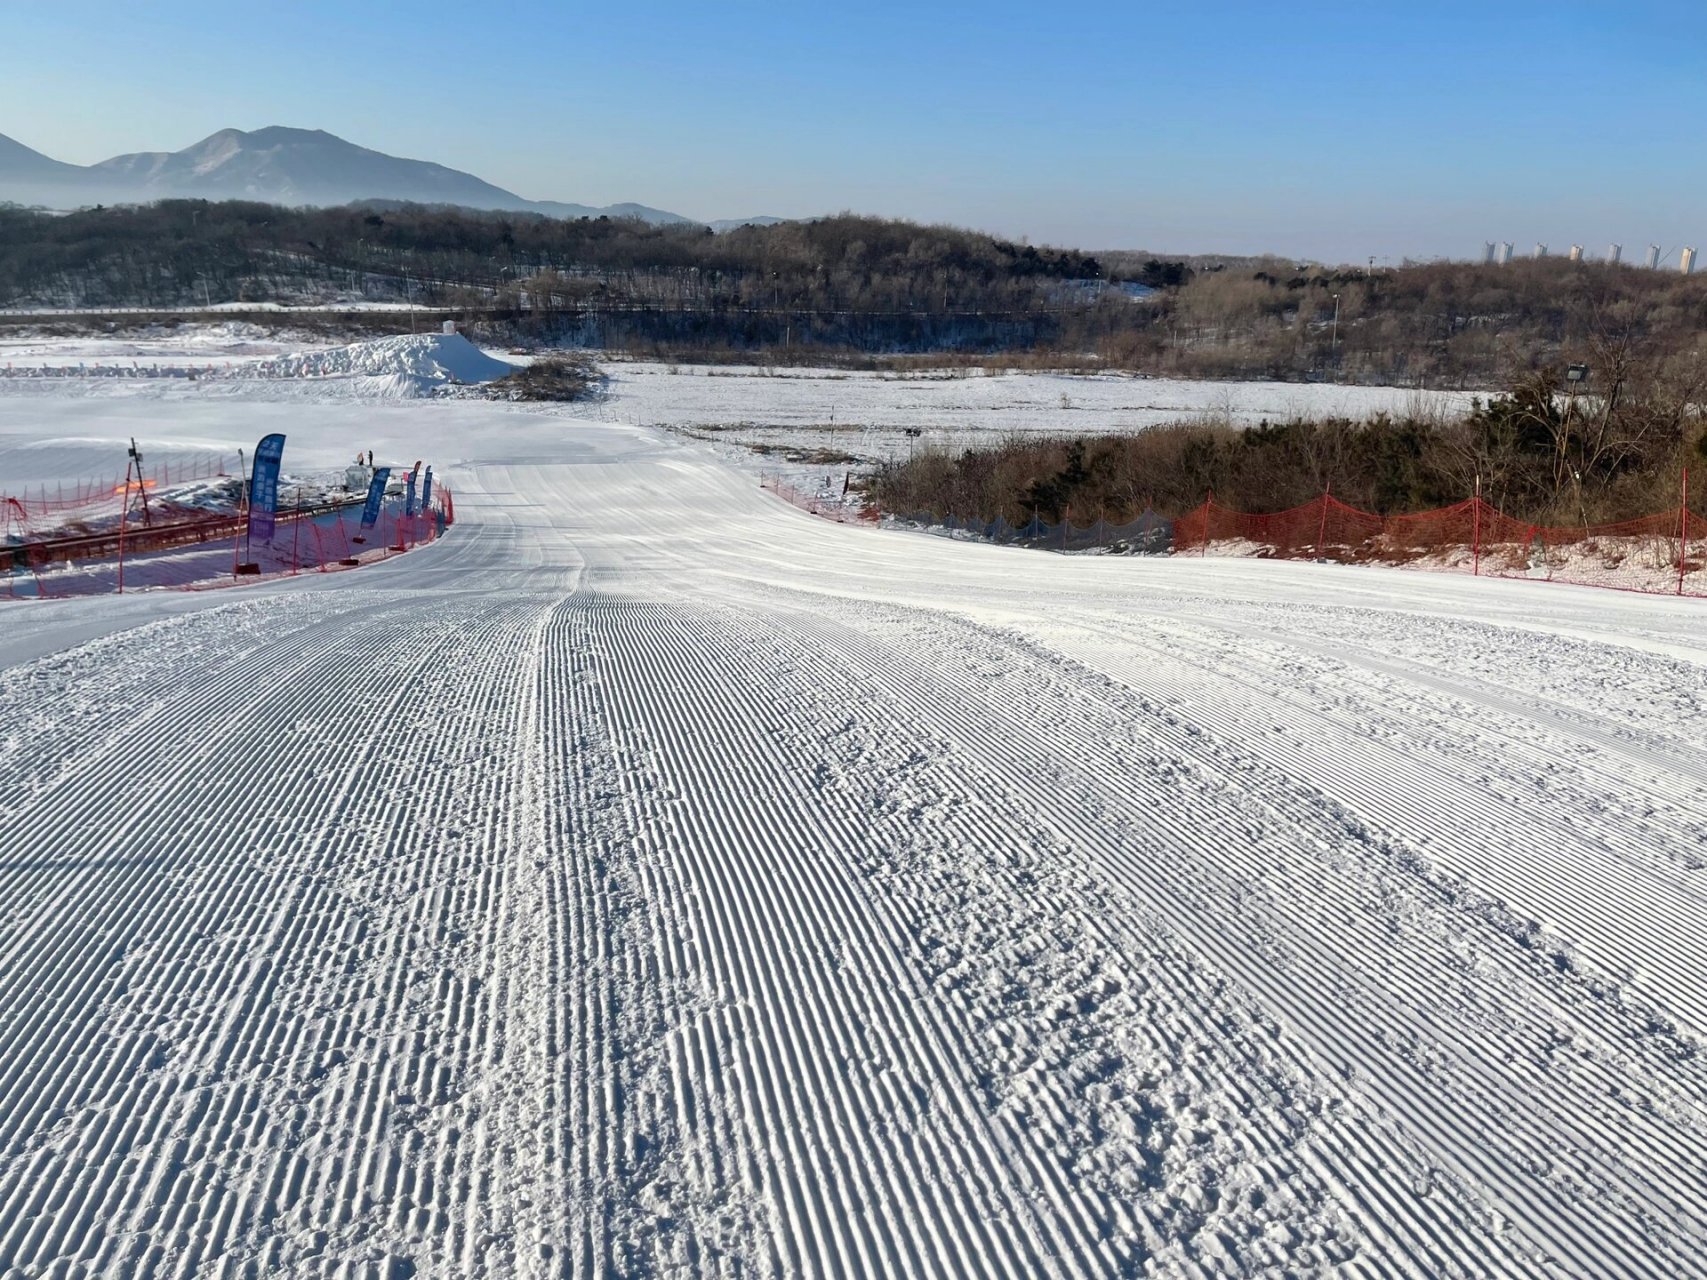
point(1332, 130)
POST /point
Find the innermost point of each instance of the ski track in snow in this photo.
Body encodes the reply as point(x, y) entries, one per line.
point(596, 894)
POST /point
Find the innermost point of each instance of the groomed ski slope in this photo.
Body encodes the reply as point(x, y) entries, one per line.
point(652, 880)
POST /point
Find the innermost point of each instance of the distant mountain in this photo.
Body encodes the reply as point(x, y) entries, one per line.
point(296, 166)
point(277, 165)
point(20, 167)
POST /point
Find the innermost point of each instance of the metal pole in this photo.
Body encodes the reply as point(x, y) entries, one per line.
point(296, 537)
point(1322, 527)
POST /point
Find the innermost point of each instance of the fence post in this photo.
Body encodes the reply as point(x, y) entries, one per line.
point(1207, 503)
point(242, 504)
point(124, 512)
point(1683, 531)
point(1322, 526)
point(12, 556)
point(1476, 526)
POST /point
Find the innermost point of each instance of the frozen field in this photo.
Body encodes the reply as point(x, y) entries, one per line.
point(652, 880)
point(866, 416)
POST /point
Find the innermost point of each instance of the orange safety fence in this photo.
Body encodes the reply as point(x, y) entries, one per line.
point(43, 499)
point(824, 503)
point(1658, 553)
point(1663, 553)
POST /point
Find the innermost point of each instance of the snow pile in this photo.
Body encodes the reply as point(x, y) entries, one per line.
point(416, 365)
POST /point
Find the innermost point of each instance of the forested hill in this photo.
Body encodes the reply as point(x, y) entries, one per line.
point(860, 284)
point(188, 251)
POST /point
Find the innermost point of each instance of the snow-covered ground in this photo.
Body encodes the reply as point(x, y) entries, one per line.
point(650, 879)
point(867, 416)
point(780, 415)
point(808, 427)
point(198, 344)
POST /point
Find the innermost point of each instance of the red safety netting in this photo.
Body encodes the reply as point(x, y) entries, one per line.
point(209, 549)
point(62, 497)
point(1658, 553)
point(825, 502)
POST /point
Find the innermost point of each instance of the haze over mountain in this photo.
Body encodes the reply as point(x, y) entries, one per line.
point(276, 165)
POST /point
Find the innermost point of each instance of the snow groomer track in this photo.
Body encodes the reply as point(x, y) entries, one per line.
point(651, 880)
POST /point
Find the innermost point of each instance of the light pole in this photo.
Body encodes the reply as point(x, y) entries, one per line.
point(1334, 342)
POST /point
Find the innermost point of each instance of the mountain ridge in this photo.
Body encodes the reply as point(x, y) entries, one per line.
point(282, 165)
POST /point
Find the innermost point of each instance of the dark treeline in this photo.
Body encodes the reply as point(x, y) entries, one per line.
point(852, 284)
point(1534, 454)
point(861, 282)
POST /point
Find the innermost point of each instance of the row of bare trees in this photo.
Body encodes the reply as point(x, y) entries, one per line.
point(1436, 324)
point(1537, 453)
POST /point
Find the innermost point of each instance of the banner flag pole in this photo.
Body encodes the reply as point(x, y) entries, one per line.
point(375, 496)
point(263, 496)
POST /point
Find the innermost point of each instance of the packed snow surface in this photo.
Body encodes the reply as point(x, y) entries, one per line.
point(651, 879)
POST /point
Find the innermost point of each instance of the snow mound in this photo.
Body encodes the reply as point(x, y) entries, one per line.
point(414, 365)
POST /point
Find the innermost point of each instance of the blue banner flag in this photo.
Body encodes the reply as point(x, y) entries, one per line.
point(409, 496)
point(264, 487)
point(427, 491)
point(375, 496)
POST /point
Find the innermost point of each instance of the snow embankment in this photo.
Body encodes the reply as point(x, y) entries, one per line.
point(407, 367)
